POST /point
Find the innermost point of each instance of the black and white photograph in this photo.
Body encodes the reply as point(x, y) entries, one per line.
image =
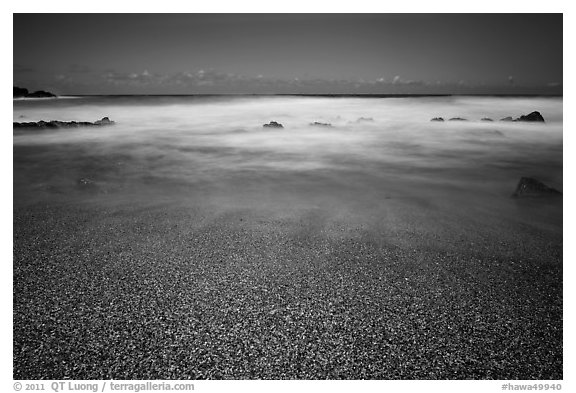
point(287, 196)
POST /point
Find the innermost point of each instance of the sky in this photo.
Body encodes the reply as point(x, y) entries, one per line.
point(289, 53)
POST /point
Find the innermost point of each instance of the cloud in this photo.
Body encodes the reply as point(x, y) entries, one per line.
point(209, 77)
point(133, 78)
point(209, 80)
point(399, 81)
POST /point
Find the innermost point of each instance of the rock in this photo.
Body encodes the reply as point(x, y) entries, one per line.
point(63, 124)
point(361, 119)
point(20, 92)
point(41, 94)
point(486, 119)
point(321, 124)
point(437, 119)
point(507, 118)
point(534, 116)
point(105, 121)
point(458, 119)
point(530, 187)
point(273, 124)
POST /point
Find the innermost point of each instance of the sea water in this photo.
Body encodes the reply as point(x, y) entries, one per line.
point(214, 150)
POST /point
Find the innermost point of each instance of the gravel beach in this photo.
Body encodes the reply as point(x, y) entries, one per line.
point(176, 293)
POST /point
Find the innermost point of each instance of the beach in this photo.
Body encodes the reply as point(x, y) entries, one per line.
point(188, 242)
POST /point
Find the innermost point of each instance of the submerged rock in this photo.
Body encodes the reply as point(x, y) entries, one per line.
point(63, 124)
point(507, 118)
point(530, 187)
point(458, 119)
point(316, 123)
point(437, 119)
point(486, 119)
point(534, 116)
point(273, 124)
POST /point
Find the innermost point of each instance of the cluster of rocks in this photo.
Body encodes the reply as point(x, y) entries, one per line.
point(534, 116)
point(316, 123)
point(531, 117)
point(20, 92)
point(63, 124)
point(273, 124)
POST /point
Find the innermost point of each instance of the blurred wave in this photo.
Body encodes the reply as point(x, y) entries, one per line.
point(215, 150)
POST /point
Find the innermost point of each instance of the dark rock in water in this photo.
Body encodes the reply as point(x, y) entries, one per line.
point(41, 94)
point(437, 119)
point(529, 187)
point(105, 121)
point(507, 118)
point(273, 124)
point(63, 124)
point(486, 119)
point(458, 119)
point(361, 119)
point(321, 124)
point(20, 92)
point(534, 116)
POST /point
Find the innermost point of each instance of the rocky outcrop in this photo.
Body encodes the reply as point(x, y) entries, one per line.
point(534, 116)
point(531, 117)
point(105, 121)
point(63, 124)
point(20, 92)
point(40, 94)
point(318, 124)
point(530, 187)
point(273, 124)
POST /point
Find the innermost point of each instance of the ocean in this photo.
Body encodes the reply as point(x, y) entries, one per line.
point(214, 150)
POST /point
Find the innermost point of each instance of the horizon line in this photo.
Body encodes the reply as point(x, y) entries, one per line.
point(375, 95)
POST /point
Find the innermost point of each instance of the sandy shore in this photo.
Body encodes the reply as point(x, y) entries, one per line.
point(175, 292)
